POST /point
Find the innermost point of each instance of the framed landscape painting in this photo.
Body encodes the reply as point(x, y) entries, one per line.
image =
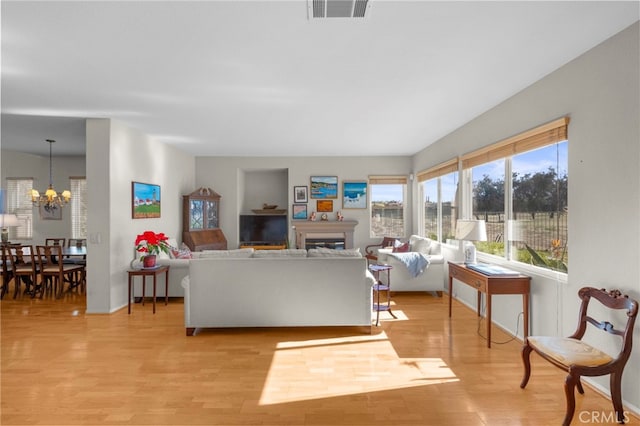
point(354, 194)
point(145, 200)
point(299, 212)
point(324, 187)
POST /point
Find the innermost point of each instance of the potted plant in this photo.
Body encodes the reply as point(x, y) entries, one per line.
point(151, 244)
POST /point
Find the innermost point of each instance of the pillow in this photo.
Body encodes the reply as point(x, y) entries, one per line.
point(280, 253)
point(325, 252)
point(182, 253)
point(402, 248)
point(420, 244)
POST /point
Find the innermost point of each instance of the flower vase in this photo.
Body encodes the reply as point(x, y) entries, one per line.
point(149, 261)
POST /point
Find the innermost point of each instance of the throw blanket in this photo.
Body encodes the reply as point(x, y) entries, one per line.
point(415, 262)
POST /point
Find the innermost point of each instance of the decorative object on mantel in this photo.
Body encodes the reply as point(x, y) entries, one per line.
point(339, 216)
point(312, 218)
point(324, 217)
point(152, 244)
point(50, 200)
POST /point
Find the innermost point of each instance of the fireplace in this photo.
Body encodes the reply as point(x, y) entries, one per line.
point(330, 243)
point(313, 234)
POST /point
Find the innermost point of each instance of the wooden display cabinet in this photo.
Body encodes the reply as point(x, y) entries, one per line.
point(201, 221)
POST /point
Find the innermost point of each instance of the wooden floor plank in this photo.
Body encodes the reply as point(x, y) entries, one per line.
point(62, 367)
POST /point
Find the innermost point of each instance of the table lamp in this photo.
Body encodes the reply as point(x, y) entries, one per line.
point(7, 220)
point(468, 230)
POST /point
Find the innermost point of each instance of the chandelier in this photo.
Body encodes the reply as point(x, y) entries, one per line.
point(51, 199)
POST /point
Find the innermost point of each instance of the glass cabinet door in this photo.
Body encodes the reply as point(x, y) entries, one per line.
point(196, 214)
point(212, 214)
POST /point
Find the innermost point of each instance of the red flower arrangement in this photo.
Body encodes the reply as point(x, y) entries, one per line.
point(151, 243)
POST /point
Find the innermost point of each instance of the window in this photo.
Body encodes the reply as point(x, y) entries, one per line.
point(387, 205)
point(78, 207)
point(439, 191)
point(519, 187)
point(19, 203)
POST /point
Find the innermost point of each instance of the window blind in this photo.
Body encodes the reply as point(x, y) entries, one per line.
point(78, 207)
point(439, 170)
point(547, 134)
point(387, 180)
point(19, 203)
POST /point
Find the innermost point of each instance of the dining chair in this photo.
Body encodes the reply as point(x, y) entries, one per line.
point(25, 269)
point(55, 242)
point(7, 270)
point(55, 272)
point(78, 260)
point(579, 358)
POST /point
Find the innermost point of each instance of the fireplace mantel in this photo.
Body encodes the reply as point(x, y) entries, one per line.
point(325, 229)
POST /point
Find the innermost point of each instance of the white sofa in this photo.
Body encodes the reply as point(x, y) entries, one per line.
point(432, 279)
point(282, 291)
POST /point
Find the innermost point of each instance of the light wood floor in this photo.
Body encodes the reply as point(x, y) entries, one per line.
point(62, 367)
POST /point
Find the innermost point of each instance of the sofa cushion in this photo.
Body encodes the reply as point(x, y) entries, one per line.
point(280, 253)
point(325, 252)
point(180, 253)
point(402, 248)
point(242, 253)
point(420, 244)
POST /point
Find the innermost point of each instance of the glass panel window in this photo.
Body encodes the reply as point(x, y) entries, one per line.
point(19, 203)
point(539, 227)
point(488, 204)
point(530, 225)
point(431, 201)
point(440, 206)
point(387, 210)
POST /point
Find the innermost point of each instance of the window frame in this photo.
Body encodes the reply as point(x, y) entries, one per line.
point(547, 134)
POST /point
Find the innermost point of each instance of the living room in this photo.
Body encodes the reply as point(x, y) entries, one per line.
point(598, 91)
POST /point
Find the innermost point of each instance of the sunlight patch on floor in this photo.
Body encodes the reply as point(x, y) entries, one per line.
point(324, 368)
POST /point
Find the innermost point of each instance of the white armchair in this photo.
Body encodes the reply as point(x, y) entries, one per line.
point(432, 279)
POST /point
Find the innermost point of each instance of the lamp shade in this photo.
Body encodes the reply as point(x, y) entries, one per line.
point(471, 230)
point(8, 220)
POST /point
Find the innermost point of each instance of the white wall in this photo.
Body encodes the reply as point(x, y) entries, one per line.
point(20, 164)
point(116, 156)
point(600, 92)
point(226, 176)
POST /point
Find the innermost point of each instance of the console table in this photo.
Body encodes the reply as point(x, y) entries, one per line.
point(150, 272)
point(490, 285)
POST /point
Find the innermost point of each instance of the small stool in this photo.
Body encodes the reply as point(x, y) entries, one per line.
point(379, 287)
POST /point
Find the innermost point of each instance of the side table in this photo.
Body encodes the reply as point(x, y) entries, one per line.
point(379, 287)
point(150, 272)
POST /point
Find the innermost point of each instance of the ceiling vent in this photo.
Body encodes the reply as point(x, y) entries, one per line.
point(337, 8)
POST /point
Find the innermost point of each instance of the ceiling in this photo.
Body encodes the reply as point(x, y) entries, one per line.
point(236, 78)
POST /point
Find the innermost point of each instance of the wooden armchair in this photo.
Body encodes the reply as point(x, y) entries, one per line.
point(370, 250)
point(581, 359)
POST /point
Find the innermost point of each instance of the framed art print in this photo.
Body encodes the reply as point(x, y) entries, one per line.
point(145, 200)
point(324, 187)
point(354, 194)
point(300, 194)
point(299, 212)
point(50, 213)
point(324, 206)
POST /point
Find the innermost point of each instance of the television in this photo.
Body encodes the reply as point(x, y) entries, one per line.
point(263, 229)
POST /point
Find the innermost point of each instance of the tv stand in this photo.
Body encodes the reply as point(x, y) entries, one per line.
point(263, 245)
